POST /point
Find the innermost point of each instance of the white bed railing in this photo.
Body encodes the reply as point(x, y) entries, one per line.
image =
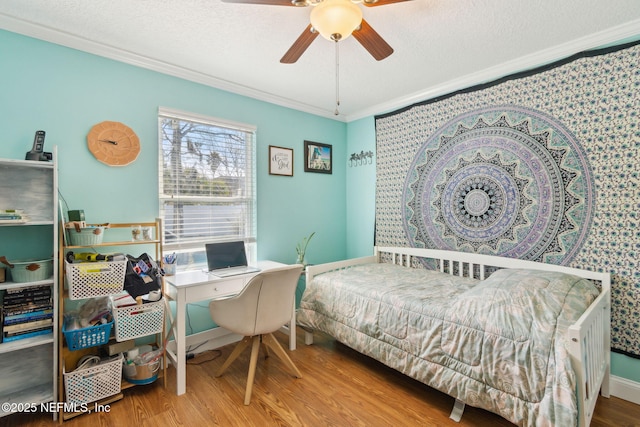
point(592, 359)
point(588, 339)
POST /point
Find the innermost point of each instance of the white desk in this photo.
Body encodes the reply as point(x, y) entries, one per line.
point(196, 285)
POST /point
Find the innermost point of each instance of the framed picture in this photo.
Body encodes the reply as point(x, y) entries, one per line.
point(280, 161)
point(318, 157)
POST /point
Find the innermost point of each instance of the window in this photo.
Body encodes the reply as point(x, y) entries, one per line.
point(207, 183)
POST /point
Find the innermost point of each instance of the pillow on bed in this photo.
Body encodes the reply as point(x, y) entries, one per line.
point(507, 302)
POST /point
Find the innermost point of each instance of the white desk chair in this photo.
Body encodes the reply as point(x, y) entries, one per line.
point(263, 307)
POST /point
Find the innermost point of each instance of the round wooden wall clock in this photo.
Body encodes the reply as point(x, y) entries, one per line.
point(113, 143)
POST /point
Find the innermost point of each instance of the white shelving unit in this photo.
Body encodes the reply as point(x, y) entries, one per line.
point(29, 367)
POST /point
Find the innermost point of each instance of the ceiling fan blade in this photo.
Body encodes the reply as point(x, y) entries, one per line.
point(299, 46)
point(265, 2)
point(371, 40)
point(379, 2)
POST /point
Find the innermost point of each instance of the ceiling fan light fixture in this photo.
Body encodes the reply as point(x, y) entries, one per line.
point(336, 19)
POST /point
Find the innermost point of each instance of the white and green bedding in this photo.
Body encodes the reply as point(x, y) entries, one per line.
point(497, 344)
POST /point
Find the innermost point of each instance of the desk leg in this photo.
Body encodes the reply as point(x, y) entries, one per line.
point(292, 327)
point(180, 337)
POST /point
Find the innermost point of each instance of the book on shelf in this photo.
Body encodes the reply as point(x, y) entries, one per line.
point(11, 211)
point(29, 296)
point(8, 214)
point(27, 331)
point(26, 326)
point(29, 334)
point(29, 290)
point(16, 299)
point(28, 317)
point(21, 304)
point(30, 307)
point(8, 218)
point(26, 297)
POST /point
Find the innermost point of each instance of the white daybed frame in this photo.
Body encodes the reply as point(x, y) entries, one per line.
point(589, 338)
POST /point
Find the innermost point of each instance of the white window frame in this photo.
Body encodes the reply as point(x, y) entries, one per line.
point(191, 250)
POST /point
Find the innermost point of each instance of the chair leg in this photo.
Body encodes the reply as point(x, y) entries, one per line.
point(234, 355)
point(255, 349)
point(271, 342)
point(264, 347)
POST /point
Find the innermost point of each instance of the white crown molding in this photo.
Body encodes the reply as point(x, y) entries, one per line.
point(66, 39)
point(612, 35)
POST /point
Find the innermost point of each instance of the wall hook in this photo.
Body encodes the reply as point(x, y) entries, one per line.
point(364, 158)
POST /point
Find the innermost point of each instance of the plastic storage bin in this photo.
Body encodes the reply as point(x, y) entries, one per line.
point(136, 321)
point(87, 236)
point(90, 336)
point(31, 271)
point(95, 279)
point(95, 382)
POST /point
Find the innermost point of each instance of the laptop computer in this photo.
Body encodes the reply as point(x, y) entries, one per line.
point(227, 259)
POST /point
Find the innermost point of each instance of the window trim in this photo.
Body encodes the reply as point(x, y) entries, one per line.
point(165, 112)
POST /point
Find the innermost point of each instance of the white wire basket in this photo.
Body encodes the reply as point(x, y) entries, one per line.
point(95, 382)
point(136, 321)
point(95, 279)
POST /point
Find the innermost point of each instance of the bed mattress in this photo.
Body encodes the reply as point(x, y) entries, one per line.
point(497, 344)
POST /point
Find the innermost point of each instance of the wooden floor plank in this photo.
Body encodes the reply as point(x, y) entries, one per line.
point(339, 387)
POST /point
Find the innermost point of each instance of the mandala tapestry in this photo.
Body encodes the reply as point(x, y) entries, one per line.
point(504, 181)
point(541, 166)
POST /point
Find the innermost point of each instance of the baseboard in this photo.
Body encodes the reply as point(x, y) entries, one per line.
point(625, 389)
point(210, 340)
point(207, 340)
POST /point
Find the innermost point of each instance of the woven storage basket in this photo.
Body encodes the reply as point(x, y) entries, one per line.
point(87, 236)
point(90, 336)
point(31, 271)
point(136, 321)
point(94, 383)
point(95, 279)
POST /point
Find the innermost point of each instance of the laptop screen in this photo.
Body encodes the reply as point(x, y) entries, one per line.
point(225, 255)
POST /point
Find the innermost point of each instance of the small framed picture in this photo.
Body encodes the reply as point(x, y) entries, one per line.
point(280, 161)
point(318, 157)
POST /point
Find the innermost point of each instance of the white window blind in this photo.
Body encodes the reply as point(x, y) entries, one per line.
point(207, 183)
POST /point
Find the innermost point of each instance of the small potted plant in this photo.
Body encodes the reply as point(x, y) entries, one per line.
point(301, 249)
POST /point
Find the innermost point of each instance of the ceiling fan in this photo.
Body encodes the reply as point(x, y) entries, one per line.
point(334, 20)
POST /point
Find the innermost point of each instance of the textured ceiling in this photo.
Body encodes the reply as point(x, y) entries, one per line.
point(440, 45)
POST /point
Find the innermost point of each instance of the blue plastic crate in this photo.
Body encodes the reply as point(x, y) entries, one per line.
point(90, 336)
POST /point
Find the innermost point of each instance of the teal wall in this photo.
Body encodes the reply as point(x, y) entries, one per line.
point(65, 92)
point(360, 187)
point(625, 367)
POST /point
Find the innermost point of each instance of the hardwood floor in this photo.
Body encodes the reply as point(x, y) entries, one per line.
point(340, 387)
